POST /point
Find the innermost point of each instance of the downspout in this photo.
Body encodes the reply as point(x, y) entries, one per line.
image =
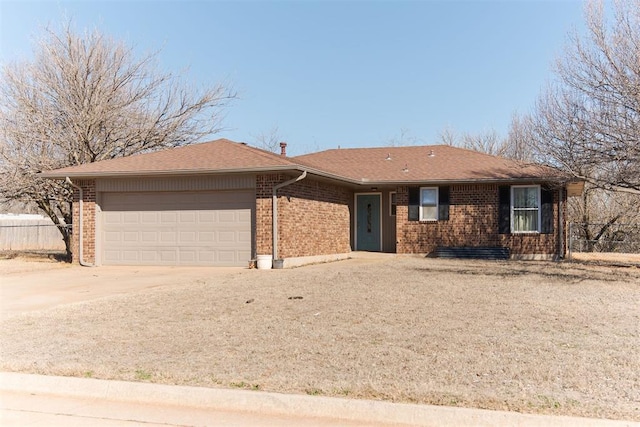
point(80, 239)
point(274, 210)
point(561, 236)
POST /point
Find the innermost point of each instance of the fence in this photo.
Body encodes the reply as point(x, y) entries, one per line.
point(611, 238)
point(18, 234)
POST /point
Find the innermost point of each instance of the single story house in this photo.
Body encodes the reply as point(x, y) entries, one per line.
point(223, 203)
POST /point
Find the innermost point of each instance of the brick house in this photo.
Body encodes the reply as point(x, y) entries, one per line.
point(223, 203)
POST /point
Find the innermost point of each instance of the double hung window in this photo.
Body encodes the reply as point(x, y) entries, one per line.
point(428, 203)
point(525, 209)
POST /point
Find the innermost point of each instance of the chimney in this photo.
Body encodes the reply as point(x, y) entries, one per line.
point(283, 149)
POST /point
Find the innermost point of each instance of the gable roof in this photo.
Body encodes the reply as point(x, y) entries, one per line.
point(381, 165)
point(436, 163)
point(219, 156)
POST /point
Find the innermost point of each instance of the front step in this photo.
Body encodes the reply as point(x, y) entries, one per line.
point(472, 252)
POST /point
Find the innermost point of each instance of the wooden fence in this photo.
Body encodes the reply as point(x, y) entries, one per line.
point(29, 234)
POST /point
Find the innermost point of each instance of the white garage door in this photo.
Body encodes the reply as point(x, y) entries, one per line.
point(183, 228)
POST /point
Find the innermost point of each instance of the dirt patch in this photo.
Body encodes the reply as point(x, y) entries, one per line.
point(558, 338)
point(23, 261)
point(607, 257)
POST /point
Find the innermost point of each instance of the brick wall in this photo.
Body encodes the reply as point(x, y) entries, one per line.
point(473, 221)
point(264, 227)
point(89, 222)
point(313, 217)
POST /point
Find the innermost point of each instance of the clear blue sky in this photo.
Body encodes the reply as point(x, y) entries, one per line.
point(329, 73)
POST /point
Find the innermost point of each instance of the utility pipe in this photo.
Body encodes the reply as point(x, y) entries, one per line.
point(80, 237)
point(561, 236)
point(274, 210)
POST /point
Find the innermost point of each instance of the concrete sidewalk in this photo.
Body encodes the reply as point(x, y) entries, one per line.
point(45, 400)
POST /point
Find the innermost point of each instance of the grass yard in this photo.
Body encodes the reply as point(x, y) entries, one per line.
point(539, 337)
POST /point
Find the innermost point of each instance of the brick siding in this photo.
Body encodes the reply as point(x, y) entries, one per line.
point(264, 219)
point(473, 221)
point(313, 217)
point(89, 222)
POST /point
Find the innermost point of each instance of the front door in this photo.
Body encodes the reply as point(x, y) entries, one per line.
point(368, 222)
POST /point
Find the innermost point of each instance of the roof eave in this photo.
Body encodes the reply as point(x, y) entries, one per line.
point(284, 168)
point(465, 181)
point(173, 172)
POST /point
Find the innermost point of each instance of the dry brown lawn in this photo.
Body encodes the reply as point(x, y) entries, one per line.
point(557, 338)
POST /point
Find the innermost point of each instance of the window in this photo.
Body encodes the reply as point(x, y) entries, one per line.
point(393, 203)
point(525, 209)
point(428, 203)
point(431, 204)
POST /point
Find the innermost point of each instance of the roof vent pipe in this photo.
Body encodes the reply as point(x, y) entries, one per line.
point(274, 210)
point(283, 149)
point(80, 237)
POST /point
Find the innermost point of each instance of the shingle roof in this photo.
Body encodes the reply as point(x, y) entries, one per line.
point(421, 163)
point(435, 163)
point(216, 156)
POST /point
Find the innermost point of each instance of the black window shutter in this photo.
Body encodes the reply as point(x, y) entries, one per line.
point(504, 209)
point(443, 203)
point(547, 211)
point(414, 203)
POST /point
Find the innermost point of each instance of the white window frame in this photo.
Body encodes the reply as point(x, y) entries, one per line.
point(513, 209)
point(392, 204)
point(422, 218)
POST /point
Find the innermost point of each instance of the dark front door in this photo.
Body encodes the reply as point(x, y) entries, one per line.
point(368, 224)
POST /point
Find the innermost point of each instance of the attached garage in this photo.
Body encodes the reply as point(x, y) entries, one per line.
point(207, 228)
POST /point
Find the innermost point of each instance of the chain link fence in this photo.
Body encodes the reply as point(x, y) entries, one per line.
point(605, 237)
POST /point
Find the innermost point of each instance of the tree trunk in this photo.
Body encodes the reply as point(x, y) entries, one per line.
point(63, 227)
point(66, 237)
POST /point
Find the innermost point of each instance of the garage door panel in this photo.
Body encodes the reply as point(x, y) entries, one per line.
point(130, 256)
point(168, 217)
point(206, 237)
point(168, 237)
point(226, 237)
point(168, 256)
point(227, 216)
point(112, 217)
point(206, 256)
point(187, 237)
point(149, 217)
point(188, 256)
point(205, 217)
point(244, 216)
point(131, 218)
point(204, 228)
point(112, 237)
point(130, 236)
point(245, 237)
point(187, 217)
point(149, 256)
point(149, 236)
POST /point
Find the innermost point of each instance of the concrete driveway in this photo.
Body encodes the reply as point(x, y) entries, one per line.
point(32, 286)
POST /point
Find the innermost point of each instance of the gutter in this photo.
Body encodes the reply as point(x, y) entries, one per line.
point(80, 237)
point(296, 167)
point(274, 210)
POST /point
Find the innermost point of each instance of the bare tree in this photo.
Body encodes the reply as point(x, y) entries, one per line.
point(404, 138)
point(488, 142)
point(599, 213)
point(449, 136)
point(588, 122)
point(269, 140)
point(85, 98)
point(518, 144)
